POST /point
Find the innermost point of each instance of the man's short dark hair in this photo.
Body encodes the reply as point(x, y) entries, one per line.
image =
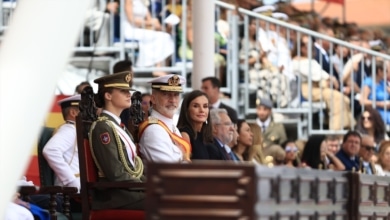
point(214, 81)
point(352, 133)
point(121, 66)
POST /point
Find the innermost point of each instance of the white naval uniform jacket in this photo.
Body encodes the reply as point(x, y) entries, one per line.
point(62, 156)
point(155, 143)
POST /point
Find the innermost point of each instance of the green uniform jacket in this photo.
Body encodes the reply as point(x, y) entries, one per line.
point(274, 134)
point(105, 150)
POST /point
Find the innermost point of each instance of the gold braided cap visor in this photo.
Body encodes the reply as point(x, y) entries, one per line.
point(118, 86)
point(168, 88)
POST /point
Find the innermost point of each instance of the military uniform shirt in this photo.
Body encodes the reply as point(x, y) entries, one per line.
point(62, 155)
point(155, 143)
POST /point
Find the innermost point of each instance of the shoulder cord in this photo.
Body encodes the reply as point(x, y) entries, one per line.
point(138, 165)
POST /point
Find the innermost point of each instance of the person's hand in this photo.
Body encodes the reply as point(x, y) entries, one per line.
point(153, 24)
point(335, 82)
point(75, 183)
point(347, 90)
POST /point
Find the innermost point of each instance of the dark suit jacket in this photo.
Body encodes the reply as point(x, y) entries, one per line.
point(346, 160)
point(231, 112)
point(324, 61)
point(274, 134)
point(216, 151)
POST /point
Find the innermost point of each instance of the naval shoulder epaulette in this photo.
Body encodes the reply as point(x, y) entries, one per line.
point(152, 120)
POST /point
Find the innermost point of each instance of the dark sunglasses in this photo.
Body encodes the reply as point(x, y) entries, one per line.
point(368, 118)
point(369, 148)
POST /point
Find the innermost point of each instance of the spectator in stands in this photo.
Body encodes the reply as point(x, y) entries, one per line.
point(383, 166)
point(317, 156)
point(160, 139)
point(272, 132)
point(349, 152)
point(357, 68)
point(244, 148)
point(195, 125)
point(263, 34)
point(339, 59)
point(333, 143)
point(80, 87)
point(263, 75)
point(154, 46)
point(370, 123)
point(322, 52)
point(367, 151)
point(251, 50)
point(223, 131)
point(377, 92)
point(61, 150)
point(274, 156)
point(257, 143)
point(146, 106)
point(291, 159)
point(113, 149)
point(324, 87)
point(211, 86)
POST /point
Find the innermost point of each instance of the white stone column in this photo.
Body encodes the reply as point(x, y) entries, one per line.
point(203, 23)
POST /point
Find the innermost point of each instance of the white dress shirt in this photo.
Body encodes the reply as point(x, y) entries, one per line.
point(263, 125)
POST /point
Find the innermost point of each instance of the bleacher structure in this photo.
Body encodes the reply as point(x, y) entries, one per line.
point(92, 53)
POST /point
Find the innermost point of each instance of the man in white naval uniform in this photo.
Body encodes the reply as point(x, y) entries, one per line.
point(160, 139)
point(61, 150)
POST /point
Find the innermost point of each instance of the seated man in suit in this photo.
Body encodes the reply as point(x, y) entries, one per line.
point(223, 131)
point(211, 86)
point(272, 132)
point(349, 152)
point(366, 153)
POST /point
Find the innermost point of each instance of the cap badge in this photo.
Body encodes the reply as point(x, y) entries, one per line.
point(174, 81)
point(128, 77)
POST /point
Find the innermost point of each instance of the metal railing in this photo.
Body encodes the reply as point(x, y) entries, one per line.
point(302, 110)
point(98, 38)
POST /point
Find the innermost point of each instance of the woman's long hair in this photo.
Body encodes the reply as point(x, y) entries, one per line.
point(248, 153)
point(186, 121)
point(99, 97)
point(377, 124)
point(311, 155)
point(382, 149)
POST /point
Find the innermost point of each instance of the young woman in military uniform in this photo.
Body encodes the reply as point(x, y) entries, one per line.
point(112, 145)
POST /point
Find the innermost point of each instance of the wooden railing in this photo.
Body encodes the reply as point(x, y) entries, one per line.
point(213, 190)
